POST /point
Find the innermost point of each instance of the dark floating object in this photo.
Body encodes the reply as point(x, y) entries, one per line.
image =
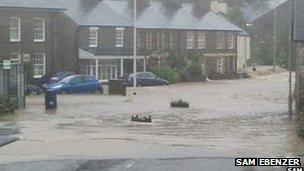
point(179, 103)
point(135, 118)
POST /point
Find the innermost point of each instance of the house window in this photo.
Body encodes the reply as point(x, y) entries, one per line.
point(138, 40)
point(38, 65)
point(220, 40)
point(15, 58)
point(230, 41)
point(160, 40)
point(200, 40)
point(219, 65)
point(93, 37)
point(39, 27)
point(190, 40)
point(15, 29)
point(119, 37)
point(170, 40)
point(148, 40)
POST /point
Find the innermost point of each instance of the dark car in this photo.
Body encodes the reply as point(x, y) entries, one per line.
point(146, 79)
point(32, 90)
point(76, 84)
point(58, 76)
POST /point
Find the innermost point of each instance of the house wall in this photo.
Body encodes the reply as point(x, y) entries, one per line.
point(262, 31)
point(106, 41)
point(299, 85)
point(243, 51)
point(58, 45)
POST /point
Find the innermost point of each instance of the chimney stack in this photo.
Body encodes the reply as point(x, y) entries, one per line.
point(201, 7)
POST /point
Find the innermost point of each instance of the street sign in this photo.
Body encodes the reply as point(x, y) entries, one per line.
point(298, 20)
point(6, 64)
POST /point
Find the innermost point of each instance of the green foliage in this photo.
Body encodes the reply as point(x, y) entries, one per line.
point(6, 105)
point(180, 66)
point(177, 60)
point(179, 103)
point(237, 16)
point(265, 52)
point(195, 69)
point(167, 73)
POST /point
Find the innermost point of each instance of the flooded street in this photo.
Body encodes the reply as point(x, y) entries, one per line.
point(226, 118)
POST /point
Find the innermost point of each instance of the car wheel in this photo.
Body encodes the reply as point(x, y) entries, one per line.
point(63, 92)
point(139, 85)
point(33, 93)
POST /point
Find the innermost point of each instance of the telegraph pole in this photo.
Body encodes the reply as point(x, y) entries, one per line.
point(134, 44)
point(290, 17)
point(275, 37)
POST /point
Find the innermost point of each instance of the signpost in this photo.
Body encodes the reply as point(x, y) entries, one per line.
point(6, 64)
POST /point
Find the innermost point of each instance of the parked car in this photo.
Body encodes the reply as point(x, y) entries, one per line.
point(146, 79)
point(58, 76)
point(32, 90)
point(76, 84)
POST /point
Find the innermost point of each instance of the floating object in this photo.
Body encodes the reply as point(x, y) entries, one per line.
point(179, 103)
point(136, 118)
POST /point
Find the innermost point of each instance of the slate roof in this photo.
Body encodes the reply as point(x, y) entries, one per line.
point(260, 8)
point(42, 4)
point(96, 14)
point(120, 13)
point(156, 15)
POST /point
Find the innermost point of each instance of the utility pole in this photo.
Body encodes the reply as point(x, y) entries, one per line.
point(134, 44)
point(290, 17)
point(275, 37)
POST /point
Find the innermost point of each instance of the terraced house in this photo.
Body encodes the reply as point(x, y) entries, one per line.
point(38, 34)
point(100, 35)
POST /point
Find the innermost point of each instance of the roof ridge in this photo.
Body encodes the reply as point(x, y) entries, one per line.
point(130, 22)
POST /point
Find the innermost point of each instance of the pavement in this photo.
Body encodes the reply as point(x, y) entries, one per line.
point(6, 136)
point(160, 164)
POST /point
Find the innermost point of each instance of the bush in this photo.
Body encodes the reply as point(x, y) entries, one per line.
point(6, 105)
point(179, 103)
point(196, 69)
point(167, 73)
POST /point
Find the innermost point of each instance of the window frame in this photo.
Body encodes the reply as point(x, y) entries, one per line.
point(170, 40)
point(149, 37)
point(93, 38)
point(16, 29)
point(38, 29)
point(201, 39)
point(39, 65)
point(18, 59)
point(230, 41)
point(138, 42)
point(220, 36)
point(190, 40)
point(121, 39)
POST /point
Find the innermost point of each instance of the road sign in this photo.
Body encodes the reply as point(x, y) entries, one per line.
point(6, 64)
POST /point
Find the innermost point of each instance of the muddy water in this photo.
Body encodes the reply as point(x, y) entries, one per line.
point(232, 117)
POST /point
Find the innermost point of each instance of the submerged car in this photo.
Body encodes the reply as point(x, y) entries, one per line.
point(58, 76)
point(76, 84)
point(146, 79)
point(32, 90)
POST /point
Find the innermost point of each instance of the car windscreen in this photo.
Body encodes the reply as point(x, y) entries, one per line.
point(66, 79)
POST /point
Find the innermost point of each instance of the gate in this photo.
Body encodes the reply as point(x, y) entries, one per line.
point(12, 83)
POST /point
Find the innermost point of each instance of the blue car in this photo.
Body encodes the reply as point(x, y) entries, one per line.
point(76, 84)
point(58, 76)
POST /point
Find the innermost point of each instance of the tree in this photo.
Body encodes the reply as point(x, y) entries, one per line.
point(236, 16)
